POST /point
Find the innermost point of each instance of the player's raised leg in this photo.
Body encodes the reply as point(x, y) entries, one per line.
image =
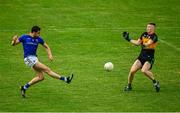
point(135, 67)
point(40, 66)
point(146, 69)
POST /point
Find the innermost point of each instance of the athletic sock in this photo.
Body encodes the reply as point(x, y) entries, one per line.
point(26, 86)
point(154, 81)
point(63, 78)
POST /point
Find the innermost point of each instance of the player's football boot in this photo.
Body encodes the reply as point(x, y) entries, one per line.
point(23, 91)
point(157, 86)
point(69, 79)
point(127, 88)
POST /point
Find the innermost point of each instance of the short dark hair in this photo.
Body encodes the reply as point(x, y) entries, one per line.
point(35, 29)
point(152, 23)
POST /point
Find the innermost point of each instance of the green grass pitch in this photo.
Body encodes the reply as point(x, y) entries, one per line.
point(83, 35)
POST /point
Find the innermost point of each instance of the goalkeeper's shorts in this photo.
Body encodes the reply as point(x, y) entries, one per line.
point(146, 58)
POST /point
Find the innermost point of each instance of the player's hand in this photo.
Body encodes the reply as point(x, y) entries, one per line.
point(50, 57)
point(126, 36)
point(14, 40)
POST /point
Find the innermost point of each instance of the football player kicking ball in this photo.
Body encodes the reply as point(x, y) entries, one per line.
point(30, 44)
point(148, 42)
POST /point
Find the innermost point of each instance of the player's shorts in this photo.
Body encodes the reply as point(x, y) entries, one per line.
point(146, 57)
point(30, 61)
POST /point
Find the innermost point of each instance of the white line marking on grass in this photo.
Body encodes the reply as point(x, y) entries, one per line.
point(93, 28)
point(105, 28)
point(170, 45)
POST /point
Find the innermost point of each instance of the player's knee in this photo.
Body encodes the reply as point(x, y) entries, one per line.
point(132, 72)
point(143, 71)
point(48, 71)
point(41, 78)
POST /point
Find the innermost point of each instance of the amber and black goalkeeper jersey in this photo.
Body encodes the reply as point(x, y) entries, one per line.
point(145, 37)
point(149, 50)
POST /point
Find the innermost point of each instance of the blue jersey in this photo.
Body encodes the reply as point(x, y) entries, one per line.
point(30, 44)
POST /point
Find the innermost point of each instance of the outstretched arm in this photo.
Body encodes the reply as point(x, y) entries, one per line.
point(15, 40)
point(48, 51)
point(135, 42)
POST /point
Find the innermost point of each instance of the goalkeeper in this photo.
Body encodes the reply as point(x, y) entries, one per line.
point(148, 42)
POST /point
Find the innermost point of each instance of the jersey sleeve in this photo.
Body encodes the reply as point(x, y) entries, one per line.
point(142, 35)
point(154, 38)
point(41, 41)
point(22, 38)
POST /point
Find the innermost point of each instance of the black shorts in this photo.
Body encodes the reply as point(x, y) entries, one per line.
point(146, 56)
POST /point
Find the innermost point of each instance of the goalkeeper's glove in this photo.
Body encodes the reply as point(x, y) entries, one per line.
point(126, 36)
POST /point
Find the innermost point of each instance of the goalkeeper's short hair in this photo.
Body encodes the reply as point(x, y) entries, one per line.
point(152, 23)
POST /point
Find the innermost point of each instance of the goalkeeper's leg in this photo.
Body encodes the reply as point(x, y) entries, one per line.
point(146, 69)
point(135, 67)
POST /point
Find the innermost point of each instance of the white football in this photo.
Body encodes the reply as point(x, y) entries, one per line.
point(108, 66)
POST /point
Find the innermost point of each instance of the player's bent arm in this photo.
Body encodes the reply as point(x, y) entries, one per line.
point(15, 40)
point(126, 36)
point(48, 51)
point(136, 42)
